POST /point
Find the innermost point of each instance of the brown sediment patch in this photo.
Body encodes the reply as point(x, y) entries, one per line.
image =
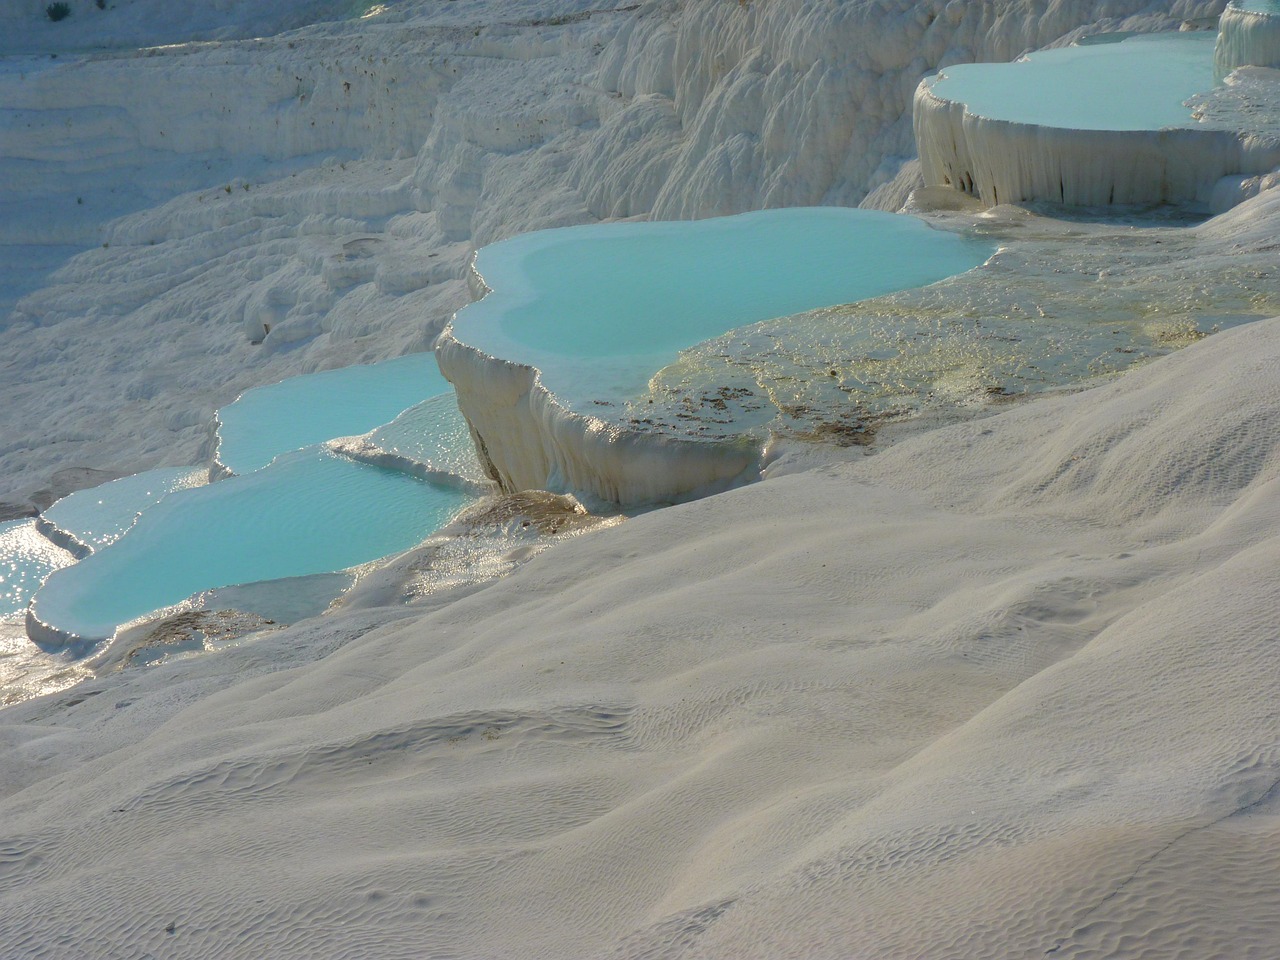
point(188, 631)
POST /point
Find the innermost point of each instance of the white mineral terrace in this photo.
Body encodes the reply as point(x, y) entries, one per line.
point(1248, 35)
point(1087, 125)
point(574, 322)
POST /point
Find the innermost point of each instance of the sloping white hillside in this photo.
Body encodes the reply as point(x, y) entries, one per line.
point(1004, 689)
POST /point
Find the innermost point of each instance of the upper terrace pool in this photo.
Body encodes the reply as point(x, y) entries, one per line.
point(1269, 7)
point(1248, 35)
point(1134, 123)
point(1140, 83)
point(267, 421)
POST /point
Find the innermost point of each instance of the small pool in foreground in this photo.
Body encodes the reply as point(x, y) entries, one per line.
point(292, 509)
point(309, 512)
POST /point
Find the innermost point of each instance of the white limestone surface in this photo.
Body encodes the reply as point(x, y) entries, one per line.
point(527, 440)
point(1005, 689)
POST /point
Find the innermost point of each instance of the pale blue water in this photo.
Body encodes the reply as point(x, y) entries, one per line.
point(101, 515)
point(600, 308)
point(26, 558)
point(1269, 7)
point(295, 413)
point(309, 512)
point(1137, 84)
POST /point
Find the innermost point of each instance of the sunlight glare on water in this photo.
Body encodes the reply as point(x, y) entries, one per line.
point(101, 515)
point(26, 558)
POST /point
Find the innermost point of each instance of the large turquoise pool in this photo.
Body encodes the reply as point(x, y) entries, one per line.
point(598, 309)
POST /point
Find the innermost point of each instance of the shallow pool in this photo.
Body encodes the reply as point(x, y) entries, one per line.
point(101, 515)
point(1140, 83)
point(598, 309)
point(433, 437)
point(295, 413)
point(309, 512)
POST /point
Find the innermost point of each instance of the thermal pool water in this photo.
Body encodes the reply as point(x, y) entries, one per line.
point(291, 509)
point(599, 309)
point(90, 519)
point(26, 559)
point(1268, 7)
point(1104, 124)
point(1140, 83)
point(309, 512)
point(295, 413)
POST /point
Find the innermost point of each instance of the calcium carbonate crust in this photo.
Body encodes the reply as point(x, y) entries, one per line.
point(1001, 161)
point(527, 440)
point(1246, 38)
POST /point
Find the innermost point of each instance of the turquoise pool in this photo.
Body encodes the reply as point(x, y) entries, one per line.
point(309, 512)
point(1140, 83)
point(295, 413)
point(599, 309)
point(1268, 7)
